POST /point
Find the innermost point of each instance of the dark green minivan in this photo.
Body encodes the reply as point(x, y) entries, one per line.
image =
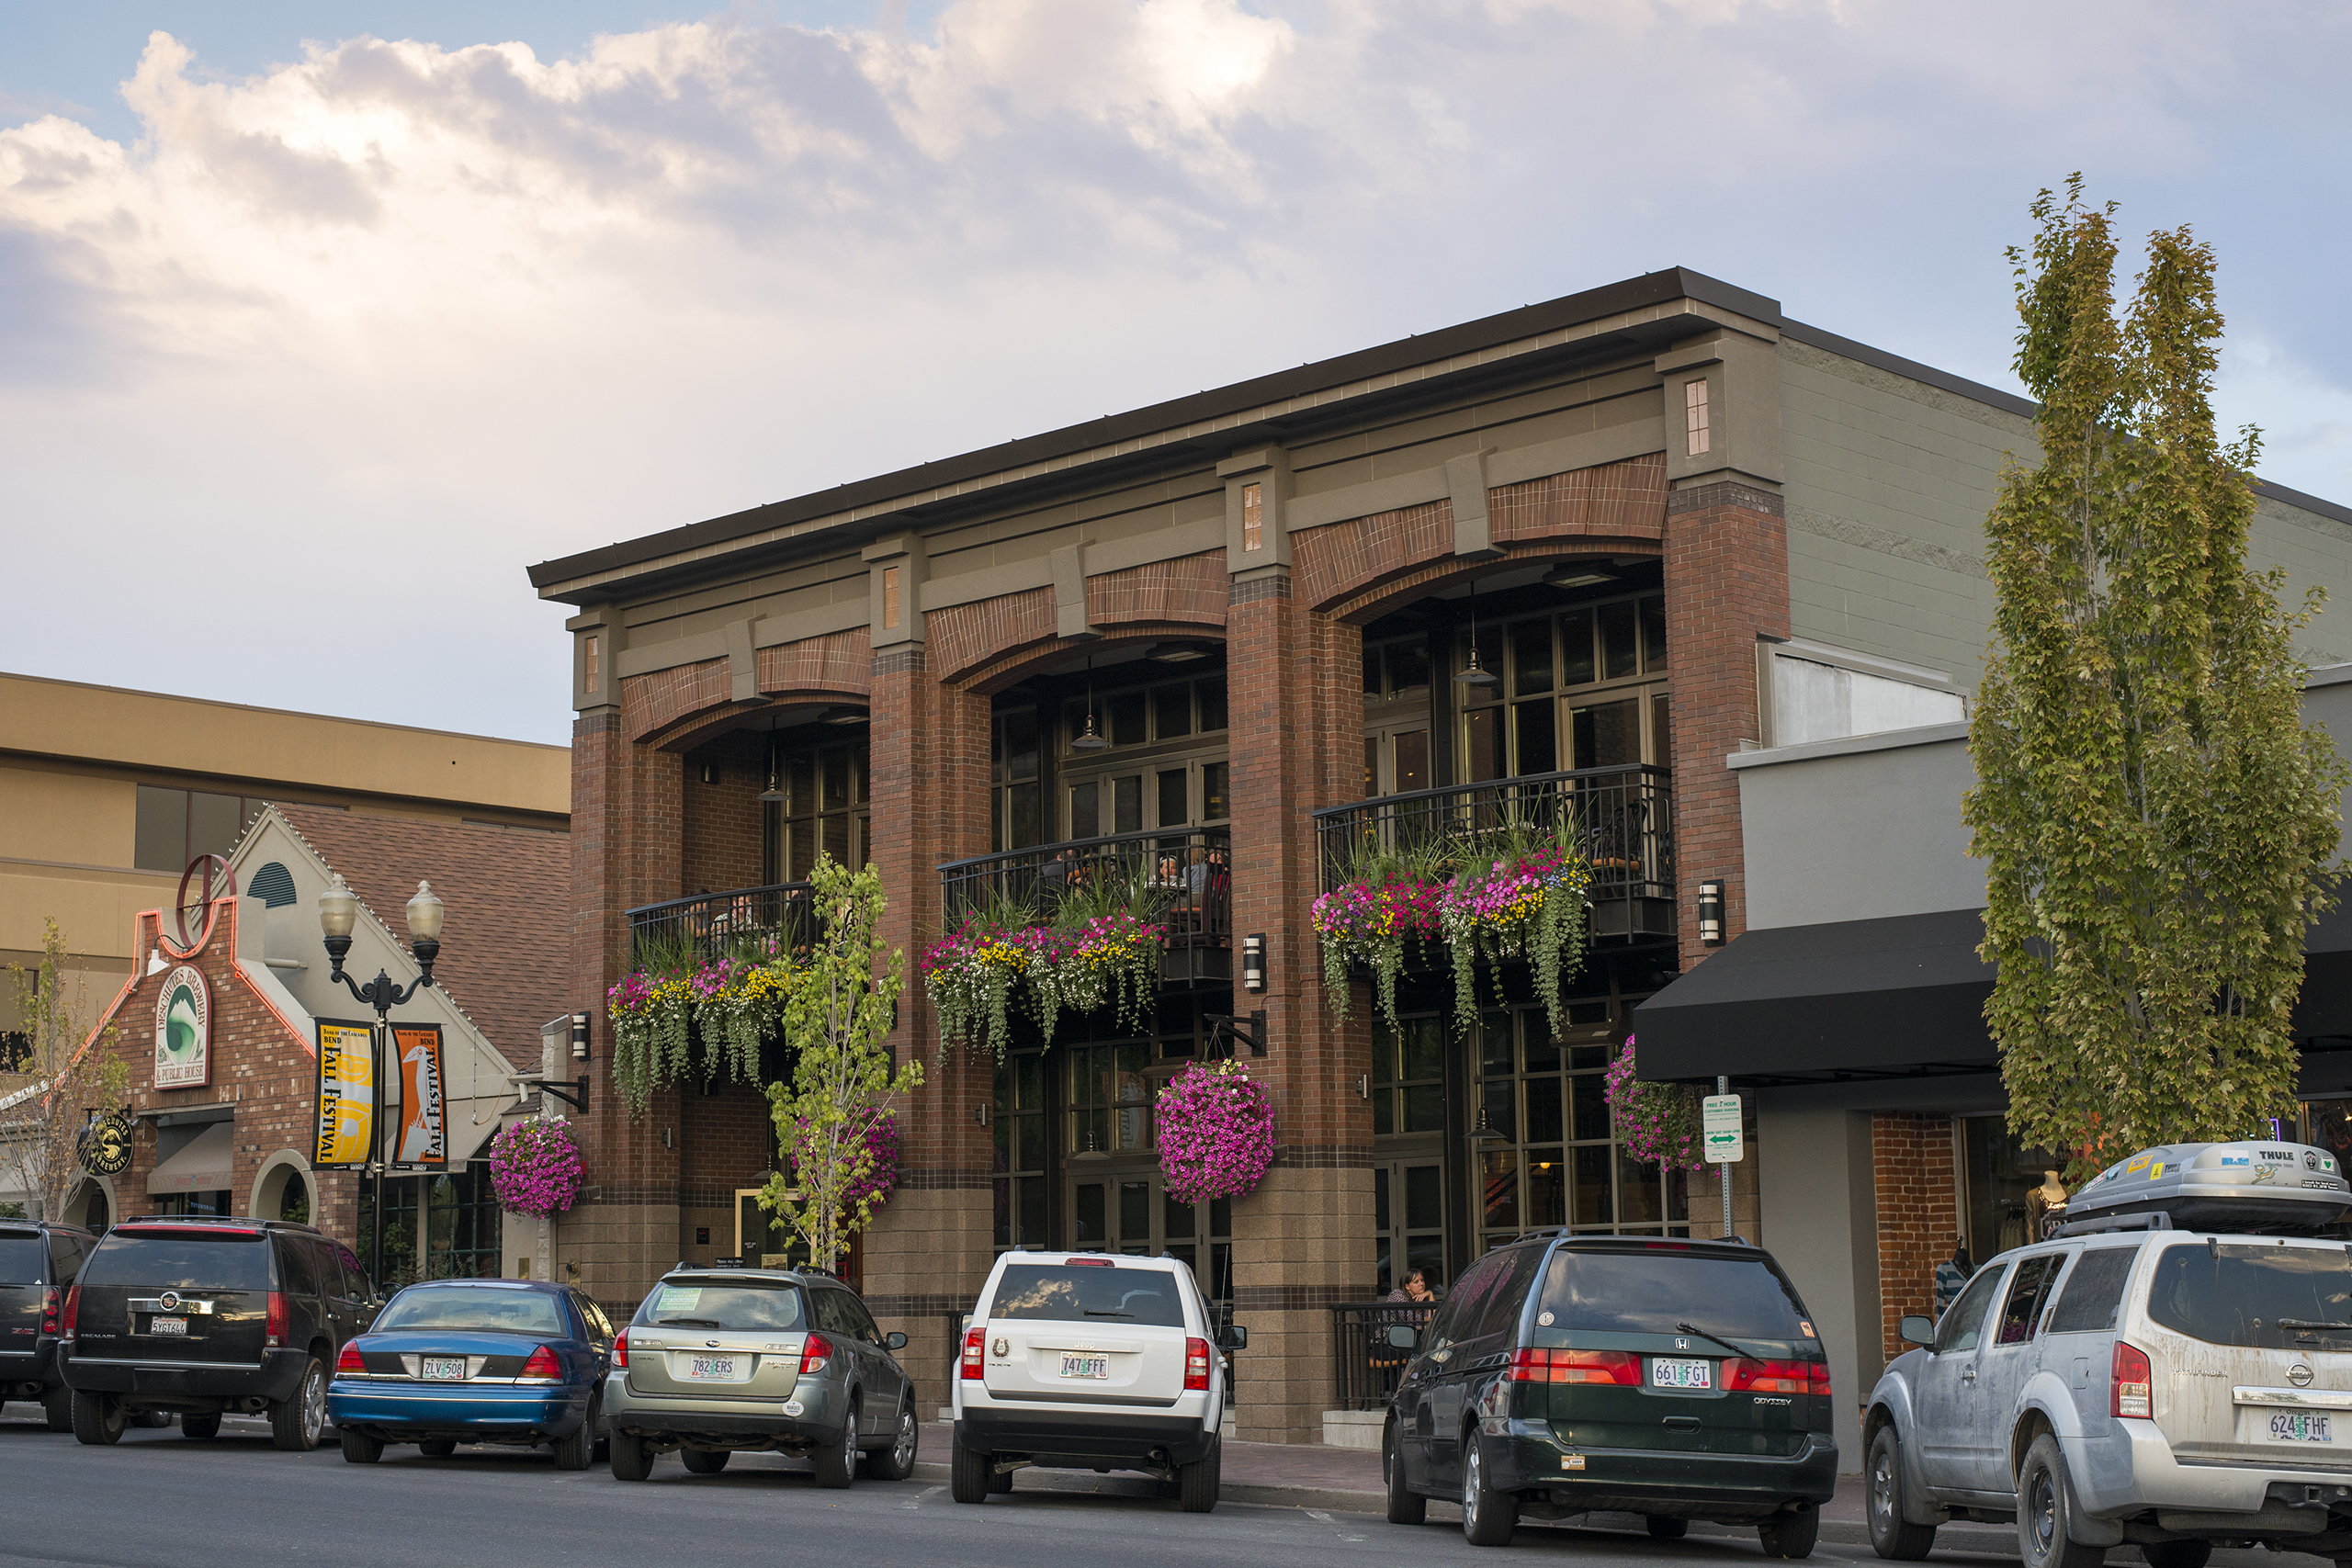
point(1565, 1374)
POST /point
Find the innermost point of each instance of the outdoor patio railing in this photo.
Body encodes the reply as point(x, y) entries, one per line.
point(1367, 1365)
point(715, 925)
point(1187, 873)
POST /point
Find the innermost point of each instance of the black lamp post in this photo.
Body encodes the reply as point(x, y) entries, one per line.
point(338, 912)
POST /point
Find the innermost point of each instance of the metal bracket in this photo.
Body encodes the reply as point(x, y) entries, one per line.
point(1254, 1036)
point(573, 1092)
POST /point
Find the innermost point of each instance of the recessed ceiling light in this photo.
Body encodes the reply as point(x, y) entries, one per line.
point(1175, 652)
point(841, 716)
point(1578, 575)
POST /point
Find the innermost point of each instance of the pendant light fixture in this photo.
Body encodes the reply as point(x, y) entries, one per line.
point(1474, 676)
point(1087, 739)
point(774, 793)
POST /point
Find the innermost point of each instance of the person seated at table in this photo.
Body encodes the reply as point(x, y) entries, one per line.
point(1416, 1289)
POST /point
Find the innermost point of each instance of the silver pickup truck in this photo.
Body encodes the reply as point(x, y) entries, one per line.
point(2167, 1371)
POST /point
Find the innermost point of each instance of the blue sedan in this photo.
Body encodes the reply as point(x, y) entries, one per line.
point(450, 1362)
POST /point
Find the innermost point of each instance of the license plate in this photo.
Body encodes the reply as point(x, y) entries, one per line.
point(1666, 1373)
point(2301, 1428)
point(167, 1326)
point(445, 1368)
point(1086, 1365)
point(711, 1368)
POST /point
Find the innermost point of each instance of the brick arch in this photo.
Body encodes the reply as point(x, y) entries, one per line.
point(1009, 668)
point(1368, 605)
point(661, 708)
point(698, 729)
point(1183, 597)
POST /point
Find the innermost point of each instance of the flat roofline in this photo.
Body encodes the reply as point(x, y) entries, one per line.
point(275, 713)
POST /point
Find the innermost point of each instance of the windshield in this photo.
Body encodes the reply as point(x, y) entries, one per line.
point(1654, 1293)
point(180, 1261)
point(2247, 1293)
point(706, 1304)
point(23, 1260)
point(486, 1308)
point(1084, 1292)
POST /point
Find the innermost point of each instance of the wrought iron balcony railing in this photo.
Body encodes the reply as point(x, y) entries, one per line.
point(1185, 874)
point(1621, 819)
point(718, 925)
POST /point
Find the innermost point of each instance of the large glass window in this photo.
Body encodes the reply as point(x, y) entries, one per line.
point(1170, 785)
point(1582, 689)
point(1110, 1096)
point(436, 1227)
point(1019, 1130)
point(175, 825)
point(825, 809)
point(1143, 715)
point(1016, 818)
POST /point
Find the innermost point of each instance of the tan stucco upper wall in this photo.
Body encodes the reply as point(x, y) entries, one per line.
point(95, 908)
point(185, 734)
point(49, 814)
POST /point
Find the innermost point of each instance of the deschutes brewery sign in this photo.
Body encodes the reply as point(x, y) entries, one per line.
point(184, 1030)
point(104, 1145)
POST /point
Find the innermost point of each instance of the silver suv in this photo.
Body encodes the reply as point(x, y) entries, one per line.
point(2132, 1381)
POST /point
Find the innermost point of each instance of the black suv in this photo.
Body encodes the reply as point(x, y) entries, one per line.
point(201, 1316)
point(37, 1263)
point(1679, 1380)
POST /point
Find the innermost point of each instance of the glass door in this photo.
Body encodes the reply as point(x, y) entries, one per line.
point(1409, 1222)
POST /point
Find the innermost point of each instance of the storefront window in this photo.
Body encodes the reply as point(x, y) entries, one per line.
point(436, 1227)
point(825, 810)
point(1019, 1127)
point(2001, 1173)
point(1583, 690)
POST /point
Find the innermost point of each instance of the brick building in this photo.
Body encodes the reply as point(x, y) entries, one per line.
point(1581, 554)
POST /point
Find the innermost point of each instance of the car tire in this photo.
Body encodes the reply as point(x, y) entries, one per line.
point(2177, 1554)
point(572, 1452)
point(704, 1461)
point(1488, 1517)
point(897, 1462)
point(201, 1429)
point(837, 1460)
point(1792, 1534)
point(358, 1448)
point(57, 1406)
point(1406, 1507)
point(1892, 1536)
point(631, 1461)
point(98, 1418)
point(970, 1473)
point(2046, 1511)
point(436, 1447)
point(296, 1423)
point(1197, 1483)
point(1002, 1486)
point(1665, 1526)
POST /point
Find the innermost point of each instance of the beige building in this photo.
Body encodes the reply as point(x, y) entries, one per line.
point(106, 794)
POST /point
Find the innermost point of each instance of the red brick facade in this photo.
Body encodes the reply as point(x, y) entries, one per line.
point(1919, 1214)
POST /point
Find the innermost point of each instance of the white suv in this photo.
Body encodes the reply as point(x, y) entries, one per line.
point(1087, 1361)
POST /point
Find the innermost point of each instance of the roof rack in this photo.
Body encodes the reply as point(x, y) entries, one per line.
point(2104, 1223)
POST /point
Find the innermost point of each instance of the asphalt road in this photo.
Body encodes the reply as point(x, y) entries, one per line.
point(158, 1501)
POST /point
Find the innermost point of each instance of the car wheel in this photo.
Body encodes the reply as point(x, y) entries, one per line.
point(295, 1424)
point(572, 1452)
point(2177, 1553)
point(358, 1448)
point(630, 1460)
point(898, 1462)
point(201, 1429)
point(1197, 1481)
point(704, 1461)
point(58, 1405)
point(2046, 1510)
point(1406, 1507)
point(437, 1448)
point(837, 1460)
point(1892, 1535)
point(98, 1418)
point(1792, 1534)
point(968, 1474)
point(1665, 1526)
point(1487, 1518)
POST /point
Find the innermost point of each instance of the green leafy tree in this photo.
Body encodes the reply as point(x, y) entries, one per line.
point(2157, 819)
point(836, 1023)
point(43, 1112)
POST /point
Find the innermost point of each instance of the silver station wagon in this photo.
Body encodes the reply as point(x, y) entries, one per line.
point(2173, 1369)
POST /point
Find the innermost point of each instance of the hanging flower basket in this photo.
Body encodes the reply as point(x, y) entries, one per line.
point(1215, 1133)
point(1370, 924)
point(1530, 907)
point(1657, 1123)
point(974, 974)
point(727, 1006)
point(535, 1166)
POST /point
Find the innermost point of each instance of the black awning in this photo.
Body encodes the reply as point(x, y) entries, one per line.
point(2324, 1007)
point(1900, 996)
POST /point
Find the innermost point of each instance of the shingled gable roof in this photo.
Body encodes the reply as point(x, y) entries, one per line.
point(507, 892)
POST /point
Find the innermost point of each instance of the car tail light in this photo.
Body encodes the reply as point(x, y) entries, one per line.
point(542, 1366)
point(1090, 1263)
point(1574, 1366)
point(351, 1360)
point(277, 1320)
point(814, 1353)
point(2132, 1395)
point(620, 1350)
point(1196, 1365)
point(1817, 1380)
point(972, 1340)
point(49, 1307)
point(72, 1311)
point(1770, 1377)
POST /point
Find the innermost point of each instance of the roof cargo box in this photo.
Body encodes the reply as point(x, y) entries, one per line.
point(2221, 1186)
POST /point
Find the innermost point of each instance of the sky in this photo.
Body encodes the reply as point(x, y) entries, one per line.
point(320, 323)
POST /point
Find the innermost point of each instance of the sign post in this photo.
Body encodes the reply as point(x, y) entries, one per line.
point(1721, 1135)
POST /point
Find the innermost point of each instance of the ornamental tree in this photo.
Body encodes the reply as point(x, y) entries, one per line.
point(2157, 820)
point(67, 1077)
point(837, 1018)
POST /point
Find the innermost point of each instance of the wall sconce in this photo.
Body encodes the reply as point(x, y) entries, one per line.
point(980, 1114)
point(1710, 914)
point(1253, 962)
point(1363, 1086)
point(579, 1036)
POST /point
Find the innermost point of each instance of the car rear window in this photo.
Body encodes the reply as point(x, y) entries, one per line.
point(486, 1308)
point(22, 1258)
point(731, 1303)
point(1654, 1293)
point(180, 1260)
point(2246, 1294)
point(2087, 1302)
point(1081, 1292)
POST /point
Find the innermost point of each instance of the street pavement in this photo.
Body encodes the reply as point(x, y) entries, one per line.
point(158, 1501)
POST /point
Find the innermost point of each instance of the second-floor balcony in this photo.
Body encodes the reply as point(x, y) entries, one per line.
point(1181, 878)
point(1620, 820)
point(740, 921)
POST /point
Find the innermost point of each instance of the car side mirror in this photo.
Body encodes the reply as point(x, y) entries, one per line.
point(1233, 1337)
point(895, 1340)
point(1404, 1337)
point(1916, 1330)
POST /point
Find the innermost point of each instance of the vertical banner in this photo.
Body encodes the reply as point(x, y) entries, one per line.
point(424, 1137)
point(346, 1129)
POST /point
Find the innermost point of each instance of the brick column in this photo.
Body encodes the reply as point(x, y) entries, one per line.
point(1727, 583)
point(1303, 1241)
point(1919, 1217)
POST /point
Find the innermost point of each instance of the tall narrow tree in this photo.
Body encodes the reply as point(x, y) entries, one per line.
point(67, 1077)
point(2158, 821)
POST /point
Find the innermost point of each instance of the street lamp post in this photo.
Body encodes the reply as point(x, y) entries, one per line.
point(338, 912)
